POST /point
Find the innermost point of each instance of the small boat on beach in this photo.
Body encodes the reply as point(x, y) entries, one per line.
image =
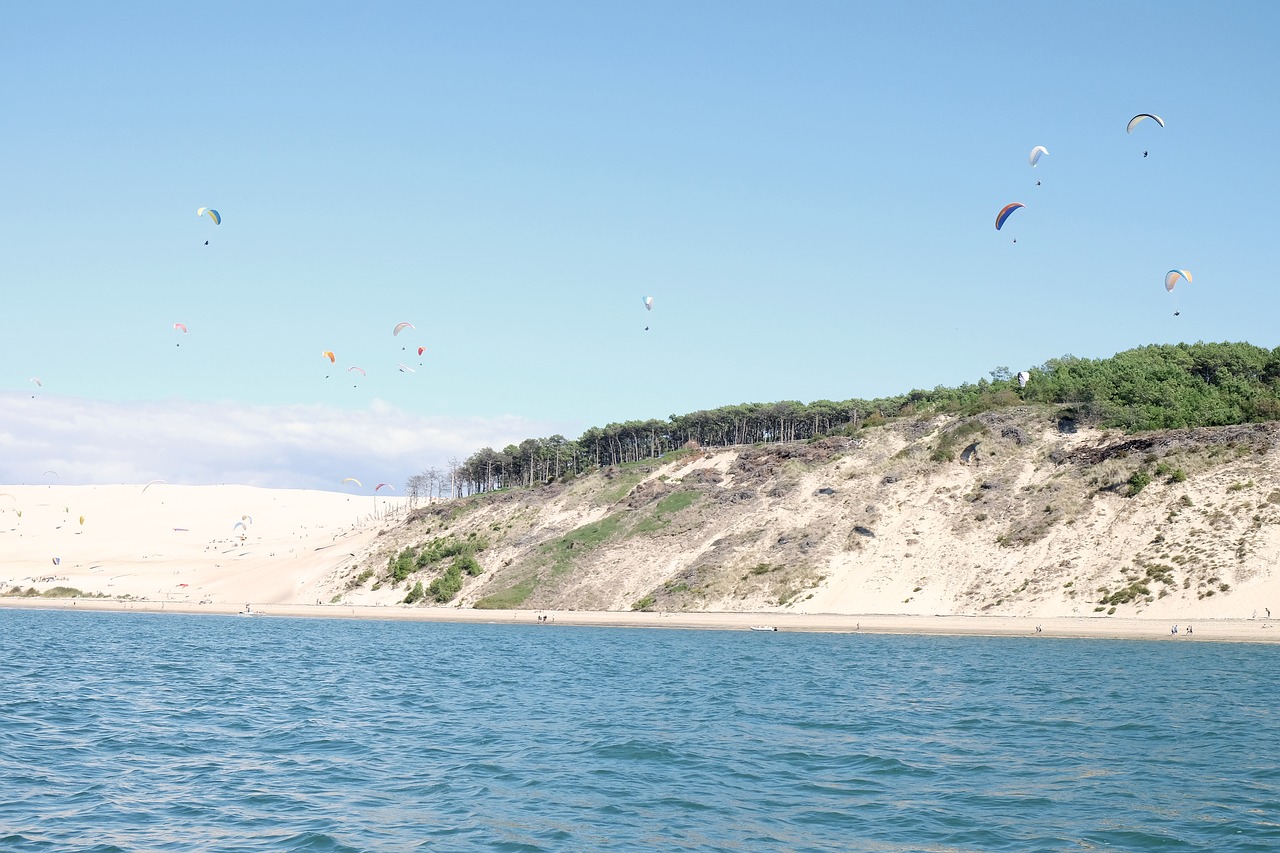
point(763, 628)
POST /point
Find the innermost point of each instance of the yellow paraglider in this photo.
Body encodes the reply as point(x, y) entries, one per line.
point(211, 213)
point(352, 480)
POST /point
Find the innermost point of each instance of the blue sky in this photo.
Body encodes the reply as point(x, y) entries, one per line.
point(807, 190)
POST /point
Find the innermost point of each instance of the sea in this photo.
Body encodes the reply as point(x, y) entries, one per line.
point(160, 732)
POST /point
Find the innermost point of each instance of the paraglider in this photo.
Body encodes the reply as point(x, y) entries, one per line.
point(39, 384)
point(1005, 213)
point(648, 303)
point(239, 524)
point(1171, 280)
point(1023, 378)
point(400, 327)
point(1136, 120)
point(152, 483)
point(329, 355)
point(421, 350)
point(384, 485)
point(211, 213)
point(180, 327)
point(1036, 153)
point(359, 370)
point(57, 561)
point(404, 368)
point(352, 480)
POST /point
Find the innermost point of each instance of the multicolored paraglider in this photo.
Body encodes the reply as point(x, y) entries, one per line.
point(1171, 280)
point(384, 486)
point(346, 480)
point(211, 213)
point(1004, 214)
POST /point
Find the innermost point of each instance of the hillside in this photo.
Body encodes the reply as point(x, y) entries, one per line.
point(1010, 512)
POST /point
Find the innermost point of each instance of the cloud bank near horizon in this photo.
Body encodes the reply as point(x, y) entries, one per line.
point(74, 441)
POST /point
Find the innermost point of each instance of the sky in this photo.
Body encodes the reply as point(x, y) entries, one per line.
point(807, 190)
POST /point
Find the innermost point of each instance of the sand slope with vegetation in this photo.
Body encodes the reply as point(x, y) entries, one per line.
point(1013, 512)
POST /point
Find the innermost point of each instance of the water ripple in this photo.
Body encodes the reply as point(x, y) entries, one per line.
point(159, 733)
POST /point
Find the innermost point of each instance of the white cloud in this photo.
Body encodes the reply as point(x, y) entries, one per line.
point(90, 442)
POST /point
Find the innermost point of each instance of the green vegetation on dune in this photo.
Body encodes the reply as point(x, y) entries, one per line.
point(1153, 387)
point(509, 598)
point(666, 507)
point(429, 557)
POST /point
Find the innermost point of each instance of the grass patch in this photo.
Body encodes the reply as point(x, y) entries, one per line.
point(668, 506)
point(945, 450)
point(509, 598)
point(619, 488)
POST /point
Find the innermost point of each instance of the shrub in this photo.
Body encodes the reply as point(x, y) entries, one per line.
point(444, 588)
point(402, 566)
point(468, 564)
point(416, 594)
point(1138, 481)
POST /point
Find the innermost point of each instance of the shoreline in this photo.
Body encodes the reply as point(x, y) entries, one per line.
point(1108, 627)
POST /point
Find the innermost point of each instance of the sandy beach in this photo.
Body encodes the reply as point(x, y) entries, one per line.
point(1211, 630)
point(215, 549)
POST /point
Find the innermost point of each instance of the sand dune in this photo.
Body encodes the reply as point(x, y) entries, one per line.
point(214, 549)
point(217, 544)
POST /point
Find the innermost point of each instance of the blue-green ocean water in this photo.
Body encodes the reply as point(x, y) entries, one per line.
point(148, 732)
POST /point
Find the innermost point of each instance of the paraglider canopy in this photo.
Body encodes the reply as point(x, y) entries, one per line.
point(329, 355)
point(384, 486)
point(352, 480)
point(648, 303)
point(1136, 120)
point(359, 370)
point(421, 350)
point(211, 213)
point(180, 327)
point(1023, 378)
point(400, 327)
point(1036, 153)
point(1005, 212)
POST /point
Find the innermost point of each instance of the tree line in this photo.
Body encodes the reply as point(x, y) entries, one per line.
point(1152, 387)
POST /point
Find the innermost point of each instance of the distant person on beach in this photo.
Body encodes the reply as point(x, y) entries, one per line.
point(1173, 630)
